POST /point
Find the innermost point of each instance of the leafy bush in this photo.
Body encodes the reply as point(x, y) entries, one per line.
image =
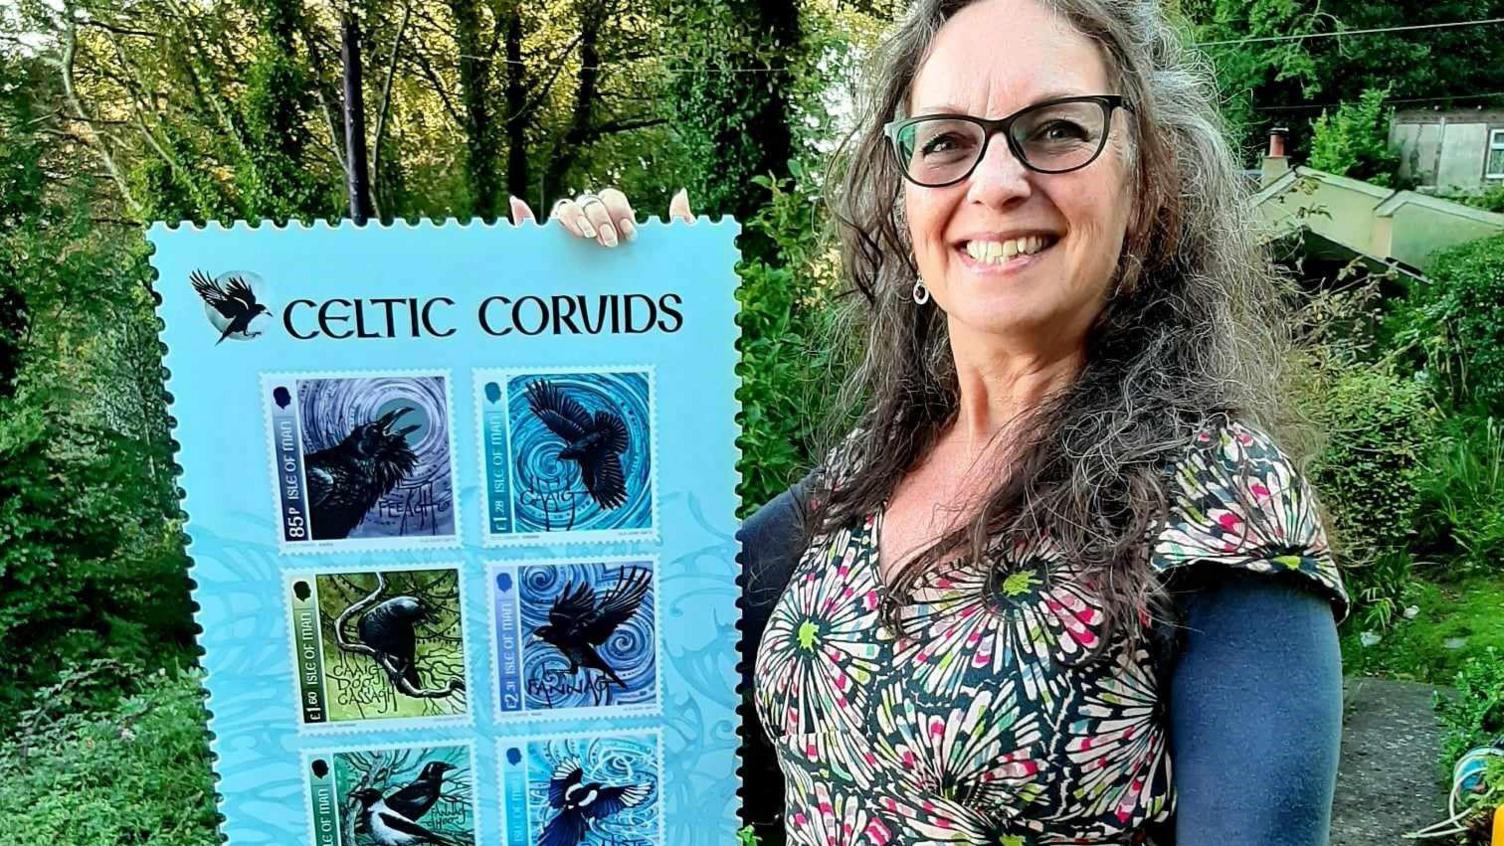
point(1462, 495)
point(1454, 325)
point(138, 773)
point(1354, 140)
point(91, 562)
point(1379, 426)
point(788, 369)
point(1475, 715)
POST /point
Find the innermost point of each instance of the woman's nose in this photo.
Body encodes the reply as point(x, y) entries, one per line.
point(999, 176)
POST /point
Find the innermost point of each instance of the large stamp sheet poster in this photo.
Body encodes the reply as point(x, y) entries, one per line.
point(461, 508)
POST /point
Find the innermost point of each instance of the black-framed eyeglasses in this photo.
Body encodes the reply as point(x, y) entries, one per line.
point(1056, 136)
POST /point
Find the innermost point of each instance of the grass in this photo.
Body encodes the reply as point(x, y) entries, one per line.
point(1470, 614)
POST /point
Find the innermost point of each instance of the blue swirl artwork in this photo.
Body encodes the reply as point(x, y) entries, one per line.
point(588, 634)
point(461, 507)
point(388, 434)
point(580, 446)
point(622, 770)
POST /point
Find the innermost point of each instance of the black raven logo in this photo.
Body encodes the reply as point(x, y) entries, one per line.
point(593, 442)
point(235, 302)
point(577, 625)
point(390, 629)
point(581, 805)
point(346, 480)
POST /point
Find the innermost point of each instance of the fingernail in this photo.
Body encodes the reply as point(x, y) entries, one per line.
point(628, 229)
point(586, 228)
point(608, 234)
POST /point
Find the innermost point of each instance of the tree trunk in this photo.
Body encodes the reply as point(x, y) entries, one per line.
point(475, 94)
point(517, 117)
point(357, 177)
point(585, 96)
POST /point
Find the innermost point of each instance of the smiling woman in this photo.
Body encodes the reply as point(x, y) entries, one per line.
point(1059, 585)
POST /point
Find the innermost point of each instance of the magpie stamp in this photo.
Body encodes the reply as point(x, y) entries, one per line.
point(575, 637)
point(586, 789)
point(361, 461)
point(391, 795)
point(568, 454)
point(378, 647)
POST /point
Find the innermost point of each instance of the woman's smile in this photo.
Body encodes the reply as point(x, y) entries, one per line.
point(1005, 255)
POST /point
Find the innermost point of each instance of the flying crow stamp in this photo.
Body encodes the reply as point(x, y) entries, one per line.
point(575, 637)
point(378, 645)
point(596, 789)
point(391, 796)
point(568, 454)
point(363, 462)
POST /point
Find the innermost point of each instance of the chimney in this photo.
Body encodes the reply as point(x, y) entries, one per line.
point(1276, 163)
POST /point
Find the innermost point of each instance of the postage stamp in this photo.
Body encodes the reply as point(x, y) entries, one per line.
point(386, 796)
point(575, 637)
point(583, 789)
point(361, 461)
point(568, 454)
point(378, 645)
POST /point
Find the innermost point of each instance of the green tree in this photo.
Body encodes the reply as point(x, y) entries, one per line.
point(1354, 141)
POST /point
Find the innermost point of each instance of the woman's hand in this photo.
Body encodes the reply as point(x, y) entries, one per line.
point(606, 217)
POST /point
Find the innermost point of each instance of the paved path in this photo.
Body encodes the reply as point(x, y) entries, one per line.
point(1387, 781)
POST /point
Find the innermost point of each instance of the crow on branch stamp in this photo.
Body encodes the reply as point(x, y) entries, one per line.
point(379, 645)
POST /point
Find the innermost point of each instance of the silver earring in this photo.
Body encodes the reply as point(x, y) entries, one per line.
point(920, 294)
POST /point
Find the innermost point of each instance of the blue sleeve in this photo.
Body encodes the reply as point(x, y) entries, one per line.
point(1255, 714)
point(772, 540)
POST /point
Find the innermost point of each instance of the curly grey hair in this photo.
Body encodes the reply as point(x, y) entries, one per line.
point(1193, 333)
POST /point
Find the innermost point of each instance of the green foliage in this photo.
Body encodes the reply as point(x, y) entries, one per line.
point(787, 368)
point(276, 179)
point(1379, 426)
point(1454, 327)
point(1441, 625)
point(135, 773)
point(1475, 716)
point(1354, 141)
point(1490, 199)
point(734, 123)
point(1274, 82)
point(90, 559)
point(1462, 493)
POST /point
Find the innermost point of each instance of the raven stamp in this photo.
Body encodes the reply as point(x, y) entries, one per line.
point(568, 453)
point(346, 480)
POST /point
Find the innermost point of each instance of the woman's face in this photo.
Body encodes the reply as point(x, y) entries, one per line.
point(990, 60)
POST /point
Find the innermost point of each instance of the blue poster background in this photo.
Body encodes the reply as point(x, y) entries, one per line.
point(227, 457)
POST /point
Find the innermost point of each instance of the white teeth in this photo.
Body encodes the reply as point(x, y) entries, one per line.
point(998, 252)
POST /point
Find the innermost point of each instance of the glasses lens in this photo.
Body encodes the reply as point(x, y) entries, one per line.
point(939, 150)
point(1061, 136)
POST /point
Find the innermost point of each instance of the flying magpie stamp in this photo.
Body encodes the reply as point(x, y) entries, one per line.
point(575, 637)
point(380, 645)
point(598, 789)
point(568, 454)
point(361, 462)
point(391, 796)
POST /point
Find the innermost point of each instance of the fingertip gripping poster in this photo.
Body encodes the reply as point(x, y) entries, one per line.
point(461, 508)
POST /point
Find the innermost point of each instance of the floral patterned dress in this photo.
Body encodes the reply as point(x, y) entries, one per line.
point(971, 724)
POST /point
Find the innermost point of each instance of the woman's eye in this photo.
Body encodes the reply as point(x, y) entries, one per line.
point(1060, 130)
point(945, 143)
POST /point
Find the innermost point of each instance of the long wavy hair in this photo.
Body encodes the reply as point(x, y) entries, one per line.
point(1194, 331)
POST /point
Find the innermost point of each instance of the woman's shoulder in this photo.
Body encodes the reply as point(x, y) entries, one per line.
point(1238, 500)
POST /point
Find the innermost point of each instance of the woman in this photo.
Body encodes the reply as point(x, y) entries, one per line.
point(1058, 556)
